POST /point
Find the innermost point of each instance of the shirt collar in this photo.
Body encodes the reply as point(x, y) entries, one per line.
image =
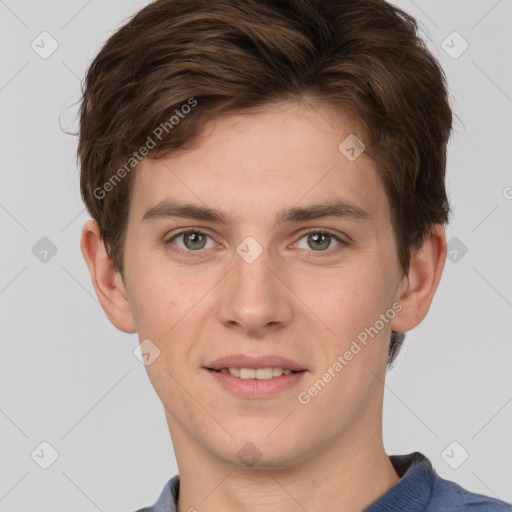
point(414, 489)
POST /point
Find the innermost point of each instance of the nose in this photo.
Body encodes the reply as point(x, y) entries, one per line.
point(255, 298)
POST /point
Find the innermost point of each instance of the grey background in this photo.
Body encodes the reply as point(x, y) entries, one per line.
point(69, 378)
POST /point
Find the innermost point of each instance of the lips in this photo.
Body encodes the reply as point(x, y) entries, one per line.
point(256, 377)
point(262, 361)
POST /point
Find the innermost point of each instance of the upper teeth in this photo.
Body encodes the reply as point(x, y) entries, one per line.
point(256, 373)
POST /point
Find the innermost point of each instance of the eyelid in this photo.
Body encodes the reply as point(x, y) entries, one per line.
point(336, 236)
point(328, 252)
point(184, 231)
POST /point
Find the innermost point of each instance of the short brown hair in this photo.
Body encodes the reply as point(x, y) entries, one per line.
point(361, 56)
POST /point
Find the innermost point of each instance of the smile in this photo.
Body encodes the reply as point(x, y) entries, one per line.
point(256, 373)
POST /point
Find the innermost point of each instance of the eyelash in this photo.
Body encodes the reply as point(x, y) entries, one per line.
point(313, 231)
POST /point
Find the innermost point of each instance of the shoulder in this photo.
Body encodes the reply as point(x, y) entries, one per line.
point(421, 488)
point(448, 496)
point(166, 502)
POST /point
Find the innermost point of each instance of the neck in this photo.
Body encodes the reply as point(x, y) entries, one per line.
point(351, 473)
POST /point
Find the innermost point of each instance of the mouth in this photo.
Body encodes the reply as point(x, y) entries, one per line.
point(256, 376)
point(256, 373)
point(256, 383)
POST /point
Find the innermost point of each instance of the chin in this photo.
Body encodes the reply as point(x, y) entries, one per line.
point(263, 449)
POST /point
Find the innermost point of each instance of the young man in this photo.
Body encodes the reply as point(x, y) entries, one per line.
point(266, 181)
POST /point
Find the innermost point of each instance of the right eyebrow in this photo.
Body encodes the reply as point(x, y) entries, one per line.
point(169, 208)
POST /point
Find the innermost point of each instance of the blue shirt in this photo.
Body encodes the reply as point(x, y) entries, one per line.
point(420, 489)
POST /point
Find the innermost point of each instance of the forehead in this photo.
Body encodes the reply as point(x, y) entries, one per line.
point(265, 161)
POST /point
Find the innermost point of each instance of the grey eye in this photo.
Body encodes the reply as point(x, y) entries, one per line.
point(319, 241)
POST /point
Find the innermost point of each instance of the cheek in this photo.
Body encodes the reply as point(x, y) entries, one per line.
point(355, 299)
point(158, 296)
point(164, 303)
point(154, 307)
point(364, 326)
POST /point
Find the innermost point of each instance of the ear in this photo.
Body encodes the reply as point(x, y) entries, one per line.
point(106, 280)
point(420, 284)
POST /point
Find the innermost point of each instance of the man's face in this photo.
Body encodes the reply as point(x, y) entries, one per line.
point(261, 285)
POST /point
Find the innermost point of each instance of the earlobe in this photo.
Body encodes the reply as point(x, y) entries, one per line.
point(421, 282)
point(106, 280)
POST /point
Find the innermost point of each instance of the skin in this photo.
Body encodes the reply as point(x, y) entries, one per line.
point(327, 454)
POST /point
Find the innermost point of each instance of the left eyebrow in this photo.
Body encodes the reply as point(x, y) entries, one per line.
point(338, 207)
